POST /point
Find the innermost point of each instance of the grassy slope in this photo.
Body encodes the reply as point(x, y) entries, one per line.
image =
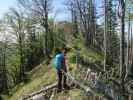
point(87, 53)
point(46, 75)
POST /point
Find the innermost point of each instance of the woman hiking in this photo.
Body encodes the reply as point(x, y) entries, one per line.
point(60, 64)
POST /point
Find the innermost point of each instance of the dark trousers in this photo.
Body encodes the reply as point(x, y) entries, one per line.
point(61, 77)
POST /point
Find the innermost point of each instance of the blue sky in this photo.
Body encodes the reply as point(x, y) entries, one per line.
point(5, 5)
point(64, 14)
point(61, 9)
point(58, 6)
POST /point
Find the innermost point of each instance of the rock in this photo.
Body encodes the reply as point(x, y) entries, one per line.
point(38, 97)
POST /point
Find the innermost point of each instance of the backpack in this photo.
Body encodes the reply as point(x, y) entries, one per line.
point(59, 61)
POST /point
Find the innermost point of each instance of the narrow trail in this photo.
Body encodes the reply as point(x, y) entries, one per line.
point(40, 95)
point(89, 91)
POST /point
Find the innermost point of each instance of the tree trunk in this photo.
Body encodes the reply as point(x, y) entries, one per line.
point(47, 29)
point(105, 34)
point(22, 69)
point(122, 41)
point(131, 45)
point(128, 47)
point(5, 79)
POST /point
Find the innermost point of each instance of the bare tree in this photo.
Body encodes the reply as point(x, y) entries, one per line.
point(122, 39)
point(40, 9)
point(83, 11)
point(16, 24)
point(74, 16)
point(105, 34)
point(128, 45)
point(3, 60)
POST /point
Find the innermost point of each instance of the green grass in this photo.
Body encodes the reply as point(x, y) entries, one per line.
point(74, 94)
point(45, 75)
point(91, 55)
point(88, 53)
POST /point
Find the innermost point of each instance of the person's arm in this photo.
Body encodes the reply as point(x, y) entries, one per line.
point(67, 63)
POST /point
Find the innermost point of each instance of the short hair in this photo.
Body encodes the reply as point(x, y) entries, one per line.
point(57, 51)
point(66, 49)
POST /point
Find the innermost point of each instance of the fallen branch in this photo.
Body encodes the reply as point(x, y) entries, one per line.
point(86, 89)
point(52, 95)
point(41, 91)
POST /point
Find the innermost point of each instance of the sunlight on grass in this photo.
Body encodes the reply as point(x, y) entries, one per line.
point(44, 76)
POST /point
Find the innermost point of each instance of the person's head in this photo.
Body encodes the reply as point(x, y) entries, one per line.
point(64, 50)
point(57, 51)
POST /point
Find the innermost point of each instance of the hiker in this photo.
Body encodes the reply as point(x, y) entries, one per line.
point(60, 64)
point(65, 67)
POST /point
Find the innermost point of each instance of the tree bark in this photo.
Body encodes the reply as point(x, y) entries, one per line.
point(122, 41)
point(105, 34)
point(128, 46)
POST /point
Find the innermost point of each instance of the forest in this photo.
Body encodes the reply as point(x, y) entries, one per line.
point(97, 36)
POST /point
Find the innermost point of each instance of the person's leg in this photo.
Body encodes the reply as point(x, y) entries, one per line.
point(64, 83)
point(65, 78)
point(59, 80)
